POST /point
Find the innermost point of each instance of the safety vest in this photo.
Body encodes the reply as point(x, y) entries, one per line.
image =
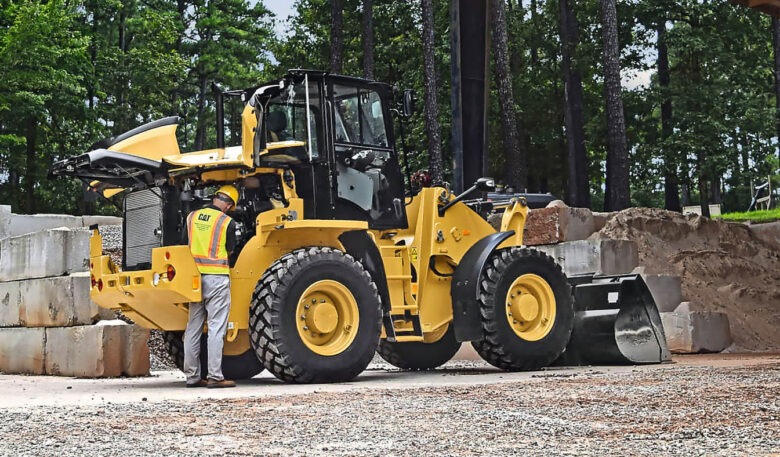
point(207, 230)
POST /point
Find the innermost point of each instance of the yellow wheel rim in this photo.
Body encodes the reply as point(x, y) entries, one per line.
point(530, 307)
point(435, 335)
point(327, 317)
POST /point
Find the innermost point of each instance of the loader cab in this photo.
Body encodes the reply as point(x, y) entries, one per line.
point(348, 168)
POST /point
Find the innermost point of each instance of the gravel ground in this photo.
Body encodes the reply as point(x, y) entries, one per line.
point(677, 410)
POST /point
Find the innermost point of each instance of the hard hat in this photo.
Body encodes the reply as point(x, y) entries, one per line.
point(230, 192)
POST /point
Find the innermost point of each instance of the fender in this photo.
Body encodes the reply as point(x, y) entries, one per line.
point(465, 286)
point(359, 245)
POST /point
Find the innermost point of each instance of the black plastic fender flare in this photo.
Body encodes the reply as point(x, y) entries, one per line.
point(465, 286)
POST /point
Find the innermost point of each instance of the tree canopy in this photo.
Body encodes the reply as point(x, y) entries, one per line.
point(698, 87)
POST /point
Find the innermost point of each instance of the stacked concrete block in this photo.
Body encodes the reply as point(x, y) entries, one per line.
point(608, 257)
point(557, 225)
point(44, 254)
point(22, 350)
point(47, 316)
point(21, 224)
point(5, 221)
point(689, 332)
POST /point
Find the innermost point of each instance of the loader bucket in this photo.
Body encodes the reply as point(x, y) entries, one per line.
point(616, 322)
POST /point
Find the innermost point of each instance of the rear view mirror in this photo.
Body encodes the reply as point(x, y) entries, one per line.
point(409, 101)
point(485, 184)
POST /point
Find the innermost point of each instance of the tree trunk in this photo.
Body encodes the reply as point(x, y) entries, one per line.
point(515, 174)
point(337, 36)
point(431, 112)
point(618, 196)
point(534, 49)
point(671, 184)
point(200, 130)
point(776, 44)
point(578, 193)
point(31, 165)
point(368, 39)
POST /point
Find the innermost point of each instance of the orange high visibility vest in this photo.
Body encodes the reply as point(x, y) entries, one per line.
point(207, 232)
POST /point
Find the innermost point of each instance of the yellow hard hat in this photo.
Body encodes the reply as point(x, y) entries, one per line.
point(229, 191)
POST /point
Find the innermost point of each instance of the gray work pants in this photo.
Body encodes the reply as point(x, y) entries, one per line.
point(214, 307)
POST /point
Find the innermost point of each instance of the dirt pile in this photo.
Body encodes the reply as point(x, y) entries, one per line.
point(723, 266)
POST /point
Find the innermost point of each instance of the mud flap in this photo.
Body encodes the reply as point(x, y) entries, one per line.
point(616, 321)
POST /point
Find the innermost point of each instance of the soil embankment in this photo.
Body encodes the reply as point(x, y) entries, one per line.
point(723, 266)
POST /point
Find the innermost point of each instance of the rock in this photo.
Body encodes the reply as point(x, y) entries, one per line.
point(768, 232)
point(608, 257)
point(600, 220)
point(696, 331)
point(47, 302)
point(54, 252)
point(557, 204)
point(666, 291)
point(557, 224)
point(22, 350)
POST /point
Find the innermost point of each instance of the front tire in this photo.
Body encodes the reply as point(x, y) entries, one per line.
point(526, 308)
point(315, 317)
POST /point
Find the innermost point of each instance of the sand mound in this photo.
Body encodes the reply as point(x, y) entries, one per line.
point(723, 266)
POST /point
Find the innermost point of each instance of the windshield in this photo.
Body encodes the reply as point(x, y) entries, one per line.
point(288, 119)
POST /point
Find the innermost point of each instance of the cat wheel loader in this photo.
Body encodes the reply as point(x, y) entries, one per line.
point(335, 260)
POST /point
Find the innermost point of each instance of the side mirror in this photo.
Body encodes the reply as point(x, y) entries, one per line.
point(409, 101)
point(485, 185)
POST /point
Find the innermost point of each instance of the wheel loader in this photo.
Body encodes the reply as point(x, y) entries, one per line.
point(335, 259)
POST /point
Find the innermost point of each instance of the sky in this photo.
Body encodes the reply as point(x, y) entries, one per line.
point(282, 9)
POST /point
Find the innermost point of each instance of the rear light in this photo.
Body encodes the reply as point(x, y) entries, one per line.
point(91, 266)
point(171, 272)
point(94, 283)
point(167, 256)
point(100, 285)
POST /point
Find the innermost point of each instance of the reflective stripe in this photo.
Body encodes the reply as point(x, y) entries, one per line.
point(189, 227)
point(200, 260)
point(216, 236)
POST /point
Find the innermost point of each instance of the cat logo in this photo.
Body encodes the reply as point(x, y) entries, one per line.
point(204, 217)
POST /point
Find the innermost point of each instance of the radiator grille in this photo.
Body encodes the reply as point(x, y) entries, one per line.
point(143, 217)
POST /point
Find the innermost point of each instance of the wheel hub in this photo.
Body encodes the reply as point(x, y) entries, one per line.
point(530, 307)
point(525, 308)
point(327, 317)
point(322, 317)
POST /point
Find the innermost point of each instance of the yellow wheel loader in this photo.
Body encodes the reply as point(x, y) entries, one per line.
point(335, 260)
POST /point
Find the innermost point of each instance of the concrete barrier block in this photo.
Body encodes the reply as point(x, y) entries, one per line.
point(608, 257)
point(666, 291)
point(557, 224)
point(54, 252)
point(22, 224)
point(5, 221)
point(22, 350)
point(86, 221)
point(89, 351)
point(600, 220)
point(136, 360)
point(697, 331)
point(134, 350)
point(57, 302)
point(10, 297)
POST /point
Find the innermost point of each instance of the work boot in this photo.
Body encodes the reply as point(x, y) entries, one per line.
point(201, 383)
point(220, 384)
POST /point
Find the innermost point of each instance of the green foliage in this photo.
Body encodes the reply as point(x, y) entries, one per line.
point(75, 72)
point(752, 216)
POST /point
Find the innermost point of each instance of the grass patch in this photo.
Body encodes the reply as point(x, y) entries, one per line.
point(752, 216)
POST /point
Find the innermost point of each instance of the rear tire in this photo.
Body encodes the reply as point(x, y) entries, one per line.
point(242, 366)
point(420, 356)
point(315, 317)
point(527, 310)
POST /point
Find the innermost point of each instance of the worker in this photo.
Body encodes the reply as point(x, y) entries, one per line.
point(211, 235)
